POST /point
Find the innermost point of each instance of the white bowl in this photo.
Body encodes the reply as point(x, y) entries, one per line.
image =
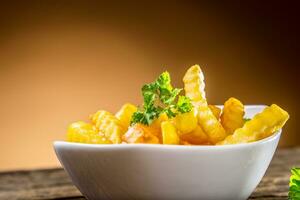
point(145, 171)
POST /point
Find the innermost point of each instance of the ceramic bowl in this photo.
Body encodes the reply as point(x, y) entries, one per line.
point(148, 172)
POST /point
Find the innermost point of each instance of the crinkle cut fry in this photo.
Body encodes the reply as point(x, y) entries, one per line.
point(83, 132)
point(109, 125)
point(232, 116)
point(262, 125)
point(215, 110)
point(194, 89)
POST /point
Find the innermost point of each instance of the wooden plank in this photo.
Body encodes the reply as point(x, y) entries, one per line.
point(274, 185)
point(37, 184)
point(55, 184)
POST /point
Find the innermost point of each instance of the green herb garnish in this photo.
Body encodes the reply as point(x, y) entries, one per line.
point(294, 192)
point(160, 97)
point(247, 119)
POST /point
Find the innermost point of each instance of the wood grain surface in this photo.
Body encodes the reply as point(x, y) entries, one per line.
point(55, 184)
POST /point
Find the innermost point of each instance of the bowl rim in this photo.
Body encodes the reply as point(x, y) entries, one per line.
point(271, 138)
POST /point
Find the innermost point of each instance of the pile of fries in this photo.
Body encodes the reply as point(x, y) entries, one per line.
point(190, 121)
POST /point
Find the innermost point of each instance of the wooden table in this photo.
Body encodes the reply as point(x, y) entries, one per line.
point(55, 184)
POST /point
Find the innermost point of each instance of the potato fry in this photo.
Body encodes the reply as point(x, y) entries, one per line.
point(232, 116)
point(210, 124)
point(169, 133)
point(262, 125)
point(83, 132)
point(139, 133)
point(186, 122)
point(182, 142)
point(190, 120)
point(194, 85)
point(156, 126)
point(157, 122)
point(197, 136)
point(194, 89)
point(215, 110)
point(125, 113)
point(109, 125)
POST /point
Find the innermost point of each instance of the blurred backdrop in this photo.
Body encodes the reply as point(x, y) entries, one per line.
point(62, 60)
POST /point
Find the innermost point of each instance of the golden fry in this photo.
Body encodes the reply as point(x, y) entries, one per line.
point(156, 126)
point(139, 133)
point(262, 125)
point(186, 122)
point(125, 113)
point(85, 133)
point(196, 124)
point(232, 116)
point(197, 136)
point(109, 125)
point(169, 133)
point(194, 85)
point(194, 88)
point(182, 142)
point(157, 122)
point(215, 110)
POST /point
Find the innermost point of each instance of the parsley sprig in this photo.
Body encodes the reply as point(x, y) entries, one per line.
point(246, 119)
point(160, 97)
point(294, 192)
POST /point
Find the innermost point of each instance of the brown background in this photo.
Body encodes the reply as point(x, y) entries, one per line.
point(62, 60)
